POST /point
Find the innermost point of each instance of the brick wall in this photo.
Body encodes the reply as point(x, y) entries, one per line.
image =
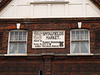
point(50, 64)
point(76, 66)
point(20, 65)
point(93, 24)
point(1, 38)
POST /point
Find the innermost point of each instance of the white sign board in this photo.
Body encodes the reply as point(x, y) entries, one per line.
point(48, 39)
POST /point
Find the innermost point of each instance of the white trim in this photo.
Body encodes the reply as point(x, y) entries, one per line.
point(66, 10)
point(18, 30)
point(79, 24)
point(18, 25)
point(84, 7)
point(15, 55)
point(75, 3)
point(8, 43)
point(15, 8)
point(32, 10)
point(51, 17)
point(51, 54)
point(49, 9)
point(80, 54)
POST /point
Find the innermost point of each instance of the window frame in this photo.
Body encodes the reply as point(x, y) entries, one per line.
point(79, 41)
point(9, 41)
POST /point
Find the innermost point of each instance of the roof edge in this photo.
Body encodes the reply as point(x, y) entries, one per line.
point(4, 3)
point(96, 3)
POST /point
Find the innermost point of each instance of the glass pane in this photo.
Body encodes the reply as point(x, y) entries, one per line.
point(24, 35)
point(12, 36)
point(73, 35)
point(20, 35)
point(86, 35)
point(16, 36)
point(77, 35)
point(22, 47)
point(75, 47)
point(13, 48)
point(84, 47)
point(82, 35)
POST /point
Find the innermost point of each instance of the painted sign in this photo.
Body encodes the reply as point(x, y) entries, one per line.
point(48, 39)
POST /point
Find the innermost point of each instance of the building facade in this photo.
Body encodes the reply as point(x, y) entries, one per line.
point(44, 37)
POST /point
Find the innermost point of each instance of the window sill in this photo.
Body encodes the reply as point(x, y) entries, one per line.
point(80, 54)
point(15, 54)
point(50, 2)
point(74, 54)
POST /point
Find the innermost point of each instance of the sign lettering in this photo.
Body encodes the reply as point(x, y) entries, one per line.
point(48, 39)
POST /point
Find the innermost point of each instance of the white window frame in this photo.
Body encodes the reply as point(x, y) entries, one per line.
point(80, 41)
point(16, 42)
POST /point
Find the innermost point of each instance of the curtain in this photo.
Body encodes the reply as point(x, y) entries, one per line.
point(75, 47)
point(13, 48)
point(22, 47)
point(84, 47)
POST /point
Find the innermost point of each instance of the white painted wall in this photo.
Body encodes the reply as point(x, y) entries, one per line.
point(75, 8)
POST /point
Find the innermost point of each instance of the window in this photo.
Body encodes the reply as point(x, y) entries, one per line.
point(17, 42)
point(80, 41)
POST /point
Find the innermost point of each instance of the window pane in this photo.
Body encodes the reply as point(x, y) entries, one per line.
point(24, 35)
point(82, 36)
point(22, 47)
point(77, 35)
point(86, 35)
point(75, 47)
point(73, 35)
point(13, 48)
point(16, 36)
point(84, 47)
point(20, 35)
point(12, 36)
